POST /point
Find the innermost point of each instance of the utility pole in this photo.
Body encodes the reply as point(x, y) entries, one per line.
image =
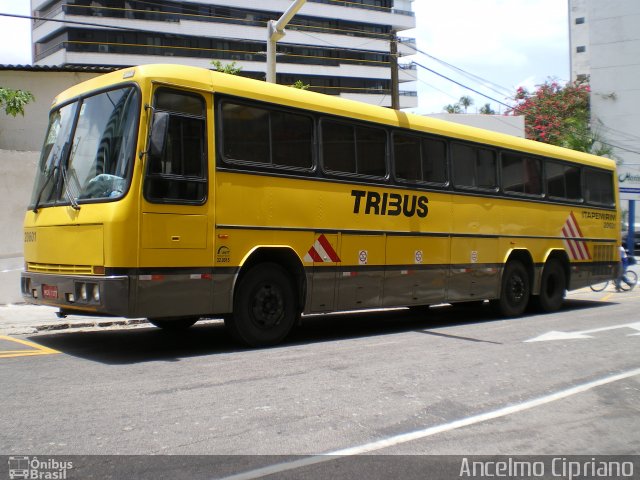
point(393, 63)
point(275, 31)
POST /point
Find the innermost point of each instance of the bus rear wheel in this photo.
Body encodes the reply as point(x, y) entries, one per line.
point(515, 291)
point(552, 287)
point(264, 307)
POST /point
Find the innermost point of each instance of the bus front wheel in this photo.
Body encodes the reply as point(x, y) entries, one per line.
point(264, 307)
point(515, 290)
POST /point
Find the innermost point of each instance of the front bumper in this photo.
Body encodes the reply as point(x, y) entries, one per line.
point(75, 293)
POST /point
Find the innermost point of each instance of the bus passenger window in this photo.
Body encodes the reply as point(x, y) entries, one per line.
point(371, 150)
point(421, 160)
point(563, 181)
point(406, 153)
point(434, 161)
point(292, 139)
point(463, 159)
point(245, 133)
point(266, 136)
point(179, 174)
point(473, 167)
point(598, 187)
point(338, 147)
point(521, 174)
point(354, 149)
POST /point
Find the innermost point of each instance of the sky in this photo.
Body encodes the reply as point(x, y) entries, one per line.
point(507, 43)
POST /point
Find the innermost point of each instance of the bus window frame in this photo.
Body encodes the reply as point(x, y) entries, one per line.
point(523, 195)
point(354, 176)
point(494, 191)
point(563, 200)
point(421, 184)
point(585, 170)
point(205, 142)
point(250, 166)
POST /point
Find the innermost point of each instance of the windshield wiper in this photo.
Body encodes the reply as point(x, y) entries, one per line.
point(46, 182)
point(73, 200)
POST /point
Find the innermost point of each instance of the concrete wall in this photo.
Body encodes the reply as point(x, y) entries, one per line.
point(27, 133)
point(498, 123)
point(18, 170)
point(615, 90)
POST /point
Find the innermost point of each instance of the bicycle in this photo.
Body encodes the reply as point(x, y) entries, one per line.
point(627, 282)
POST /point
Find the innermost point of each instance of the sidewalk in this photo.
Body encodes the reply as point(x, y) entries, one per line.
point(24, 319)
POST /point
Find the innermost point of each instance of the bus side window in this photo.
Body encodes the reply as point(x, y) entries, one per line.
point(521, 174)
point(179, 173)
point(598, 187)
point(266, 136)
point(473, 167)
point(354, 149)
point(563, 181)
point(420, 160)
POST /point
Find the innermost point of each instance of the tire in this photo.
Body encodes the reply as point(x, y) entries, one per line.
point(515, 290)
point(173, 324)
point(629, 280)
point(598, 287)
point(264, 307)
point(552, 287)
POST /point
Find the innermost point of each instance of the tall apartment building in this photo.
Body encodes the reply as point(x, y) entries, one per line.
point(605, 47)
point(337, 47)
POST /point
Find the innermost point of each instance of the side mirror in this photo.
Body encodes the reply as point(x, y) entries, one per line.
point(159, 130)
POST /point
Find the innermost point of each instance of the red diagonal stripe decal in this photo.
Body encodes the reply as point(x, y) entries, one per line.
point(314, 255)
point(328, 248)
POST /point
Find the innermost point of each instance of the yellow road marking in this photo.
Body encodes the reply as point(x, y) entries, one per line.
point(606, 297)
point(35, 349)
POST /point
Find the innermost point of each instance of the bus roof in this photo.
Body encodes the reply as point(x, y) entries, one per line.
point(211, 81)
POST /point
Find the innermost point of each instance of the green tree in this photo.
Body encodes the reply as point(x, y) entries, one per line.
point(559, 115)
point(230, 68)
point(453, 108)
point(465, 102)
point(14, 101)
point(301, 85)
point(487, 110)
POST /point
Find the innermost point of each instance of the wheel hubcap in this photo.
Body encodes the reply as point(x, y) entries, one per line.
point(267, 307)
point(517, 290)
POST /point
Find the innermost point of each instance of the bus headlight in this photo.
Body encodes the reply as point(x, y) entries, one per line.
point(83, 292)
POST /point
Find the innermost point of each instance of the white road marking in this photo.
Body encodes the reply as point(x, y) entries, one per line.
point(430, 431)
point(555, 335)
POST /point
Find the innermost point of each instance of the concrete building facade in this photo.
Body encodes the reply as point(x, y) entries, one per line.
point(339, 48)
point(605, 47)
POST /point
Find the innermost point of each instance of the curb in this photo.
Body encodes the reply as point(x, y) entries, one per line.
point(55, 327)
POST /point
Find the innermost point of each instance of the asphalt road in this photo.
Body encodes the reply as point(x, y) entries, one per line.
point(446, 381)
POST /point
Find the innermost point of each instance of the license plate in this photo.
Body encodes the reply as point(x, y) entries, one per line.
point(49, 291)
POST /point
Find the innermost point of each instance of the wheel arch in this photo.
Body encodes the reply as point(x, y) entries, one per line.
point(524, 256)
point(283, 256)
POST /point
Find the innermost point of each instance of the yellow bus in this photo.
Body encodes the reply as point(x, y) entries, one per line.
point(177, 193)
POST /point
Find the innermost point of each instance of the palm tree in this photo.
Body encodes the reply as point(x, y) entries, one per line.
point(466, 102)
point(455, 108)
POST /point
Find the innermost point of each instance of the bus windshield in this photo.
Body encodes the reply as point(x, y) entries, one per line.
point(88, 150)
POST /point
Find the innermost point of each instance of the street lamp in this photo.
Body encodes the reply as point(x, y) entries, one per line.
point(275, 31)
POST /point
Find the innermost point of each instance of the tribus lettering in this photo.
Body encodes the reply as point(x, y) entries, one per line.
point(392, 204)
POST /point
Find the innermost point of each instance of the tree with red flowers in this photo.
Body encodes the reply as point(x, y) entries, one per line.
point(559, 115)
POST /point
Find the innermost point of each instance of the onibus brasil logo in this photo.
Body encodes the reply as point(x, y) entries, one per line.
point(34, 468)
